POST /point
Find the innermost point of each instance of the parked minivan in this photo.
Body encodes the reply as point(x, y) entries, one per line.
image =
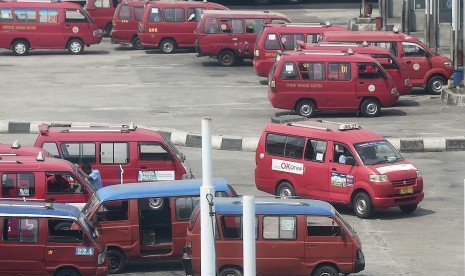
point(382, 55)
point(126, 23)
point(43, 178)
point(274, 37)
point(32, 244)
point(169, 25)
point(425, 68)
point(121, 153)
point(39, 25)
point(102, 11)
point(355, 166)
point(293, 236)
point(230, 36)
point(147, 222)
point(307, 82)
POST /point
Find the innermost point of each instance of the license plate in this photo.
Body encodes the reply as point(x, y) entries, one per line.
point(406, 190)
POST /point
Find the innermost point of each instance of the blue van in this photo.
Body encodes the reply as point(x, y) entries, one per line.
point(147, 221)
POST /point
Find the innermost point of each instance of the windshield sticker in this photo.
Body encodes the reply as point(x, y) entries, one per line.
point(84, 251)
point(401, 167)
point(286, 166)
point(342, 180)
point(154, 10)
point(289, 68)
point(371, 88)
point(155, 175)
point(272, 36)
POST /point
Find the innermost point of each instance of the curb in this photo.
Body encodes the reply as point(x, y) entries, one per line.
point(249, 144)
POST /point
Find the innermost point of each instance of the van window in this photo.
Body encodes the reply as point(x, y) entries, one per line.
point(20, 230)
point(153, 152)
point(59, 230)
point(369, 71)
point(138, 13)
point(313, 38)
point(124, 13)
point(339, 71)
point(18, 185)
point(322, 227)
point(114, 153)
point(413, 50)
point(52, 148)
point(289, 41)
point(254, 25)
point(387, 61)
point(5, 15)
point(231, 26)
point(79, 153)
point(212, 26)
point(198, 12)
point(63, 183)
point(74, 16)
point(289, 71)
point(173, 14)
point(25, 15)
point(102, 3)
point(116, 210)
point(282, 145)
point(154, 15)
point(276, 227)
point(315, 150)
point(185, 206)
point(312, 71)
point(48, 16)
point(341, 152)
point(271, 42)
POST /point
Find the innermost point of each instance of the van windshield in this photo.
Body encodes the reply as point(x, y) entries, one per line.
point(84, 179)
point(377, 152)
point(91, 206)
point(345, 224)
point(179, 154)
point(89, 227)
point(87, 15)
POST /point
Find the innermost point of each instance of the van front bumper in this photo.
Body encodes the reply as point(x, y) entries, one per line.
point(359, 264)
point(394, 201)
point(101, 271)
point(187, 265)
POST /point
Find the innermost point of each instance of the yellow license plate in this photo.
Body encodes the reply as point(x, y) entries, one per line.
point(406, 190)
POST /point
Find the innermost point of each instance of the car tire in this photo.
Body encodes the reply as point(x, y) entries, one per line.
point(117, 261)
point(136, 43)
point(168, 46)
point(408, 209)
point(20, 47)
point(108, 29)
point(75, 46)
point(325, 270)
point(435, 84)
point(230, 271)
point(285, 189)
point(227, 58)
point(363, 206)
point(370, 107)
point(67, 272)
point(305, 108)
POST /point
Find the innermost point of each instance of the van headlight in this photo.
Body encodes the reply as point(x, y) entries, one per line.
point(407, 82)
point(256, 53)
point(448, 64)
point(378, 178)
point(394, 91)
point(102, 258)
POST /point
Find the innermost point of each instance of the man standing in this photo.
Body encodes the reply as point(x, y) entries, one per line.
point(92, 175)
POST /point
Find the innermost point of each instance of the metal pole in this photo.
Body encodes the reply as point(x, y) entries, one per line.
point(207, 196)
point(455, 32)
point(435, 24)
point(463, 39)
point(363, 9)
point(249, 235)
point(427, 25)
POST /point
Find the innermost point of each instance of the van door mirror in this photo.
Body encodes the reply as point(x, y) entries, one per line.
point(350, 160)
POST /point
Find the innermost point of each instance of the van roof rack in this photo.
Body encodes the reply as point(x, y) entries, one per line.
point(44, 128)
point(340, 126)
point(47, 205)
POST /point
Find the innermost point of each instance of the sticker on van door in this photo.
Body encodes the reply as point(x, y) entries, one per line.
point(84, 251)
point(155, 175)
point(342, 180)
point(286, 166)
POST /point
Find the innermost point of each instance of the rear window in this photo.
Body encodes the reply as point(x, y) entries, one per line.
point(138, 13)
point(271, 42)
point(124, 13)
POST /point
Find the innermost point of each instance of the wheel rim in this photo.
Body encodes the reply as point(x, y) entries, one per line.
point(137, 43)
point(306, 110)
point(285, 192)
point(114, 262)
point(361, 206)
point(75, 47)
point(20, 48)
point(226, 58)
point(437, 86)
point(371, 108)
point(167, 47)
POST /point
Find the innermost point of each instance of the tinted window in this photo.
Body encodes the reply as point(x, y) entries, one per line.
point(315, 150)
point(63, 183)
point(312, 71)
point(25, 15)
point(18, 185)
point(322, 226)
point(154, 15)
point(275, 227)
point(289, 41)
point(74, 16)
point(185, 206)
point(271, 42)
point(124, 13)
point(275, 144)
point(116, 210)
point(20, 230)
point(254, 25)
point(173, 14)
point(79, 152)
point(153, 152)
point(5, 15)
point(289, 71)
point(138, 13)
point(339, 71)
point(114, 153)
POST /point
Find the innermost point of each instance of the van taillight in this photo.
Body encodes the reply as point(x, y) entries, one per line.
point(141, 28)
point(272, 83)
point(188, 248)
point(256, 53)
point(113, 23)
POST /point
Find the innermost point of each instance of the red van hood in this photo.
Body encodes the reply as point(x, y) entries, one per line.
point(396, 171)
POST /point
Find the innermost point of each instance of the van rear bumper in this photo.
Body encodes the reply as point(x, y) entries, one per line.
point(262, 67)
point(187, 265)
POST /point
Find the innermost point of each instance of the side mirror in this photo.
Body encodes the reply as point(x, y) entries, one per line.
point(350, 160)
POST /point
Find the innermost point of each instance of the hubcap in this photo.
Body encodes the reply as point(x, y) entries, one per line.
point(75, 47)
point(226, 58)
point(305, 110)
point(361, 206)
point(137, 43)
point(20, 48)
point(285, 192)
point(325, 274)
point(167, 47)
point(371, 108)
point(114, 262)
point(437, 86)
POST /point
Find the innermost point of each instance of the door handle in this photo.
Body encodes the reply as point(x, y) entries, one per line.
point(234, 38)
point(124, 229)
point(143, 167)
point(333, 169)
point(311, 245)
point(361, 82)
point(408, 62)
